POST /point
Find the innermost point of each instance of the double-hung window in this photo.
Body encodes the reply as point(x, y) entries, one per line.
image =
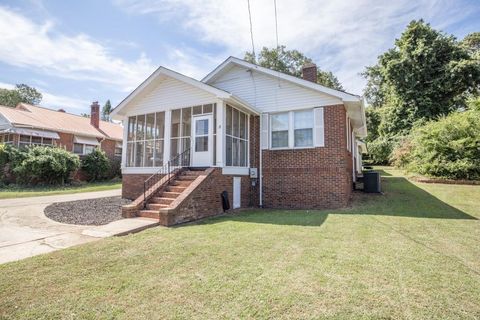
point(280, 130)
point(292, 129)
point(303, 128)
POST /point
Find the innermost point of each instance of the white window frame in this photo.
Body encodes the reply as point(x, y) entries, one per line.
point(30, 143)
point(291, 130)
point(83, 148)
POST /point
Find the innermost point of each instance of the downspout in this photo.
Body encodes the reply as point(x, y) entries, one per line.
point(260, 165)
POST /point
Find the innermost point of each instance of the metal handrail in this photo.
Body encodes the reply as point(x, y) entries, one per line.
point(180, 160)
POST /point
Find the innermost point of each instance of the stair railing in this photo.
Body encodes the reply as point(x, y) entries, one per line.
point(170, 170)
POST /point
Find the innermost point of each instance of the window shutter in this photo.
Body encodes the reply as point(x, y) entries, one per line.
point(319, 127)
point(264, 135)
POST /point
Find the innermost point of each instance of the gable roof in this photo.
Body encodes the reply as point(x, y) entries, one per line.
point(354, 104)
point(26, 115)
point(231, 61)
point(163, 72)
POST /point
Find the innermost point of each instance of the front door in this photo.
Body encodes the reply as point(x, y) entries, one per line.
point(202, 132)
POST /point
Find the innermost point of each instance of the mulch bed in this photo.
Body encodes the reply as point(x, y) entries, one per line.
point(444, 181)
point(87, 212)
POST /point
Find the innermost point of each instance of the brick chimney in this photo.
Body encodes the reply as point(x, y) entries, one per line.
point(309, 72)
point(95, 114)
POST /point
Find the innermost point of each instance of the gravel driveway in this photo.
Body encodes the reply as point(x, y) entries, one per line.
point(87, 212)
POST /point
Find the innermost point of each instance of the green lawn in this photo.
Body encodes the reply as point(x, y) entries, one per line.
point(22, 192)
point(412, 253)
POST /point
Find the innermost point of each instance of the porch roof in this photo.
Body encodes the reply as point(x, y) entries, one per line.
point(162, 73)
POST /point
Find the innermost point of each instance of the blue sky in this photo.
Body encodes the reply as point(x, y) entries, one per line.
point(76, 52)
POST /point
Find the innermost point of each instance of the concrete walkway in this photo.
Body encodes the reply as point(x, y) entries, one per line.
point(25, 231)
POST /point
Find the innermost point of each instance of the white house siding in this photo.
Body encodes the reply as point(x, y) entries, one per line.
point(169, 94)
point(270, 94)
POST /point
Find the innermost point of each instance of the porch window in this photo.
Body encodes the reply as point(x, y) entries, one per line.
point(6, 138)
point(236, 138)
point(292, 129)
point(28, 140)
point(145, 139)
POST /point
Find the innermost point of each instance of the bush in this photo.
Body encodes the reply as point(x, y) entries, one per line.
point(379, 151)
point(96, 165)
point(401, 155)
point(46, 165)
point(10, 157)
point(447, 148)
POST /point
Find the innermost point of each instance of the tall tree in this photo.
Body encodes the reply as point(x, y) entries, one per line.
point(21, 93)
point(107, 108)
point(427, 74)
point(290, 62)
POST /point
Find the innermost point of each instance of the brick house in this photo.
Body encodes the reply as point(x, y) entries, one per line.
point(27, 125)
point(267, 138)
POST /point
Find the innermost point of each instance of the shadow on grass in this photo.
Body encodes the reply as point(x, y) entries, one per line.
point(401, 199)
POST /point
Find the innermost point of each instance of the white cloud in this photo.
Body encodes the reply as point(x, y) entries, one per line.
point(53, 101)
point(25, 43)
point(341, 35)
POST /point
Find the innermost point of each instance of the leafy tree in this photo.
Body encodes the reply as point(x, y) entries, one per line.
point(426, 75)
point(107, 108)
point(290, 62)
point(472, 43)
point(21, 93)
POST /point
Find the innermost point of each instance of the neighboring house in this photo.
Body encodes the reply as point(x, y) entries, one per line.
point(267, 138)
point(27, 125)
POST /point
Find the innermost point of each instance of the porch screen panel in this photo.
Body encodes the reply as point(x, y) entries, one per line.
point(145, 140)
point(181, 124)
point(236, 141)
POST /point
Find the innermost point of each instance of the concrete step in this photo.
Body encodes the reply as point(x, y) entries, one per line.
point(161, 200)
point(176, 189)
point(193, 173)
point(170, 195)
point(154, 214)
point(156, 206)
point(186, 177)
point(181, 183)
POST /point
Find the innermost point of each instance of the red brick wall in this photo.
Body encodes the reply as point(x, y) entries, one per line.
point(66, 141)
point(311, 178)
point(132, 185)
point(109, 147)
point(205, 200)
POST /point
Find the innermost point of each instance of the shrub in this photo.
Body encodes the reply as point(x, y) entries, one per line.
point(10, 157)
point(401, 155)
point(379, 150)
point(46, 165)
point(96, 165)
point(447, 148)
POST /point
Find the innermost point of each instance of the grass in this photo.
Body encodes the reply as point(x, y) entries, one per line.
point(8, 192)
point(412, 253)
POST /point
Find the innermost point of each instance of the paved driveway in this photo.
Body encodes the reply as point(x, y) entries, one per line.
point(25, 231)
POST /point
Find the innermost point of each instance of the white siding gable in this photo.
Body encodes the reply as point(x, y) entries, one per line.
point(169, 94)
point(269, 94)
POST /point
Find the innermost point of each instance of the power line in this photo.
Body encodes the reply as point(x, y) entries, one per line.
point(251, 29)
